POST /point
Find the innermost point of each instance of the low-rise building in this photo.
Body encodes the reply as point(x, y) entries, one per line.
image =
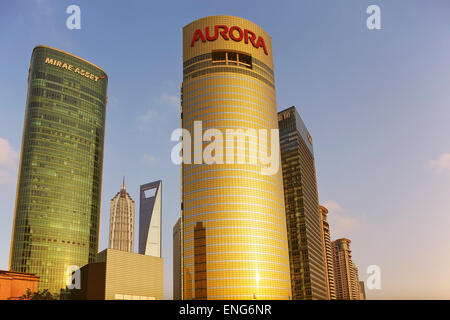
point(13, 284)
point(120, 275)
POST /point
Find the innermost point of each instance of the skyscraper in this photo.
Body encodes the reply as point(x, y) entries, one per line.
point(150, 211)
point(362, 291)
point(121, 223)
point(304, 222)
point(345, 271)
point(56, 220)
point(354, 280)
point(177, 260)
point(234, 239)
point(328, 253)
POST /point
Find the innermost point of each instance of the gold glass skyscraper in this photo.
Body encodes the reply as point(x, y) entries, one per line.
point(177, 260)
point(57, 210)
point(234, 238)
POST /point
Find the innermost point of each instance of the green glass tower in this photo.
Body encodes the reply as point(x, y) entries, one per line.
point(57, 212)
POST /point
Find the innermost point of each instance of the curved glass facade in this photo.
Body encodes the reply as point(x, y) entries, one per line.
point(234, 238)
point(56, 221)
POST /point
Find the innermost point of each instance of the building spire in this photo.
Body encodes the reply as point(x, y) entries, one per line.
point(123, 183)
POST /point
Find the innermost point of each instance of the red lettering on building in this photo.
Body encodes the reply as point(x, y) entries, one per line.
point(252, 38)
point(260, 43)
point(216, 33)
point(224, 32)
point(234, 32)
point(198, 35)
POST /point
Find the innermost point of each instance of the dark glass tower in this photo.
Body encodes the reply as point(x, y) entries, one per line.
point(56, 221)
point(304, 222)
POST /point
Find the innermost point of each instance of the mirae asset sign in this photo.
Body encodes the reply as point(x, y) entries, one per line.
point(70, 67)
point(234, 33)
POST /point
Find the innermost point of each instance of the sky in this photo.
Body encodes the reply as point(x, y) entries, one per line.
point(376, 103)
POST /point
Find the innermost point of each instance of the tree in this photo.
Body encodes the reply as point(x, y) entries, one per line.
point(39, 295)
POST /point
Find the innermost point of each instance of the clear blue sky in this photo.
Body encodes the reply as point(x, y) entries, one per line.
point(377, 104)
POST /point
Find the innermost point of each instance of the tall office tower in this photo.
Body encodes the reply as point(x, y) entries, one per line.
point(177, 260)
point(362, 291)
point(345, 271)
point(150, 211)
point(121, 221)
point(328, 253)
point(56, 219)
point(234, 238)
point(354, 279)
point(304, 222)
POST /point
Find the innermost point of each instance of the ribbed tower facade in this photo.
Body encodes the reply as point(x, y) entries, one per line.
point(354, 279)
point(121, 223)
point(362, 291)
point(56, 220)
point(234, 238)
point(345, 271)
point(304, 221)
point(328, 253)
